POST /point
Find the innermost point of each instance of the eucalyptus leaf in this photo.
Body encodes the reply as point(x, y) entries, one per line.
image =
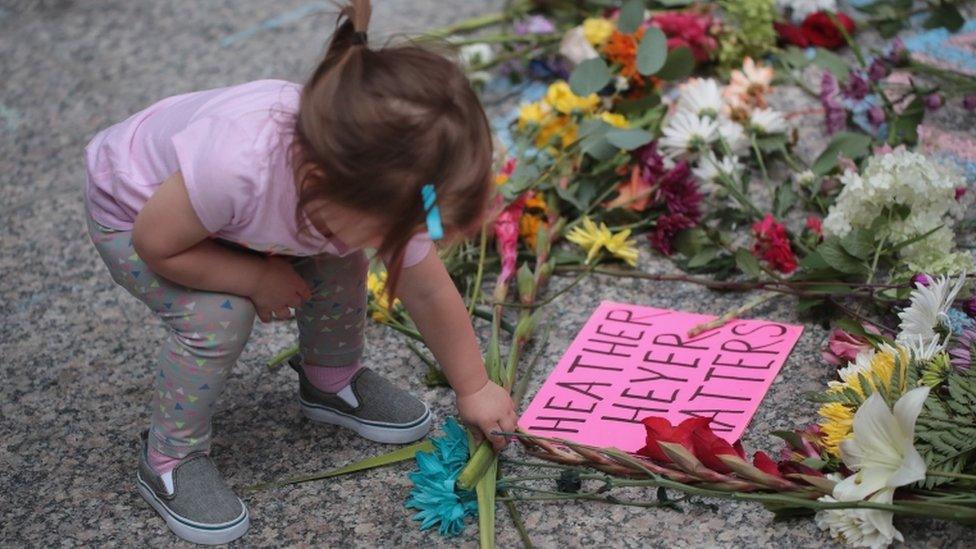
point(590, 76)
point(679, 64)
point(631, 16)
point(629, 140)
point(947, 16)
point(832, 62)
point(853, 145)
point(652, 51)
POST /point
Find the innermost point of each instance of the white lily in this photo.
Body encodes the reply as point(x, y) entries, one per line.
point(882, 451)
point(861, 527)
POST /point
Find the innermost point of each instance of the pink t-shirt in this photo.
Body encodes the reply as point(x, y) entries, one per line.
point(231, 145)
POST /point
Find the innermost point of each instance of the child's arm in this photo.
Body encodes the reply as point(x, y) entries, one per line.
point(433, 302)
point(173, 242)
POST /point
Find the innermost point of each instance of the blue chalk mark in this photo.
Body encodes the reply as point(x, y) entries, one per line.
point(11, 117)
point(934, 43)
point(277, 22)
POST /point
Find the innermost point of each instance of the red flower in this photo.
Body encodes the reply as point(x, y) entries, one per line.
point(689, 29)
point(762, 461)
point(773, 245)
point(678, 190)
point(820, 30)
point(668, 227)
point(506, 228)
point(660, 430)
point(791, 34)
point(815, 225)
point(708, 446)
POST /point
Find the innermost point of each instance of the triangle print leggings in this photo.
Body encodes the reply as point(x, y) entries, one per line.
point(208, 330)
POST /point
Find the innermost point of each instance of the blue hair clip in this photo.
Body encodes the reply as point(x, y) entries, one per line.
point(434, 227)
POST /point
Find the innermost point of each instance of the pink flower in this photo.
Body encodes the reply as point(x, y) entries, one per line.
point(815, 225)
point(506, 228)
point(689, 29)
point(843, 347)
point(834, 114)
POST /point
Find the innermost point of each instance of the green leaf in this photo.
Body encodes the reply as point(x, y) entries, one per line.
point(703, 258)
point(904, 127)
point(853, 145)
point(486, 491)
point(859, 243)
point(836, 257)
point(629, 140)
point(389, 458)
point(832, 62)
point(652, 51)
point(945, 15)
point(784, 199)
point(914, 239)
point(747, 263)
point(794, 57)
point(772, 143)
point(690, 242)
point(631, 16)
point(639, 105)
point(590, 76)
point(594, 139)
point(680, 64)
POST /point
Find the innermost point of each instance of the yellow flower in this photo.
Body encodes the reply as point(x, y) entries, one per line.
point(532, 113)
point(614, 119)
point(871, 364)
point(534, 216)
point(837, 425)
point(593, 239)
point(560, 126)
point(501, 178)
point(597, 30)
point(376, 284)
point(560, 97)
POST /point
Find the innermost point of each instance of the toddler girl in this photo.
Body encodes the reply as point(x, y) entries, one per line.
point(216, 206)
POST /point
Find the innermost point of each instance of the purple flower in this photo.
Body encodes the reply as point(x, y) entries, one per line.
point(534, 24)
point(857, 87)
point(877, 70)
point(923, 279)
point(969, 306)
point(969, 102)
point(834, 114)
point(962, 352)
point(876, 115)
point(651, 162)
point(896, 52)
point(933, 101)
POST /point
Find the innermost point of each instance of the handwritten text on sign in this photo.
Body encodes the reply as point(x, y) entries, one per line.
point(630, 362)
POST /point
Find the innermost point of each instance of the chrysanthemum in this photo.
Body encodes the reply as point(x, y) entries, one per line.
point(861, 527)
point(767, 121)
point(963, 350)
point(710, 168)
point(434, 493)
point(687, 133)
point(927, 310)
point(593, 238)
point(733, 135)
point(749, 86)
point(837, 422)
point(700, 96)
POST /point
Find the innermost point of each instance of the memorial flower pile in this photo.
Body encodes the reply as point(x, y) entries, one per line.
point(660, 130)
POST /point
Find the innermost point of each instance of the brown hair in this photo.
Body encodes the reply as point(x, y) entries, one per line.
point(375, 125)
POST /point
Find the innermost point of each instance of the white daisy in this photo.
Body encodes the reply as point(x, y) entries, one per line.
point(767, 121)
point(687, 132)
point(710, 168)
point(927, 310)
point(861, 365)
point(701, 96)
point(734, 136)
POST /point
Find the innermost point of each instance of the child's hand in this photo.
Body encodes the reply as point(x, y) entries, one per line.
point(278, 290)
point(489, 409)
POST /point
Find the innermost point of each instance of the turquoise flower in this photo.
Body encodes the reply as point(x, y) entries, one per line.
point(433, 493)
point(959, 321)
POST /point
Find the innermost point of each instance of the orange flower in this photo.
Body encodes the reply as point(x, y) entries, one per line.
point(622, 49)
point(536, 214)
point(634, 193)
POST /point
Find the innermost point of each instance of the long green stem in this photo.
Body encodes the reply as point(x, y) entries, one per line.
point(482, 252)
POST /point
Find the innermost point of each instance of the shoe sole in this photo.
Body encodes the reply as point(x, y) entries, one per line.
point(388, 433)
point(191, 531)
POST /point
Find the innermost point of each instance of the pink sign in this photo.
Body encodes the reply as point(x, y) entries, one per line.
point(630, 362)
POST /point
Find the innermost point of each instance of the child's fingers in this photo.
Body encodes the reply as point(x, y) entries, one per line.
point(283, 313)
point(498, 442)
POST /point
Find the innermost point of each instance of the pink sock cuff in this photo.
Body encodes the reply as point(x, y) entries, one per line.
point(331, 379)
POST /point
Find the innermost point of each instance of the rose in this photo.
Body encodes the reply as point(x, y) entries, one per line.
point(821, 30)
point(791, 34)
point(843, 347)
point(689, 29)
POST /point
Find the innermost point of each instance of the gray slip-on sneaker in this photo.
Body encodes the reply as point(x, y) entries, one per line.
point(193, 499)
point(371, 406)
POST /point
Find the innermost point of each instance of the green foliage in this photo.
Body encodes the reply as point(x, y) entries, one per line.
point(652, 52)
point(852, 145)
point(750, 31)
point(945, 433)
point(589, 77)
point(679, 64)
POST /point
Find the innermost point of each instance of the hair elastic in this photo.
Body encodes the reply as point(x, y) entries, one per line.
point(434, 227)
point(359, 38)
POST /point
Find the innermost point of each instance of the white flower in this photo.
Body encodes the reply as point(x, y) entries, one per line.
point(687, 133)
point(621, 84)
point(898, 179)
point(861, 527)
point(927, 310)
point(803, 8)
point(701, 96)
point(575, 47)
point(921, 349)
point(709, 168)
point(767, 121)
point(734, 136)
point(476, 54)
point(861, 365)
point(882, 451)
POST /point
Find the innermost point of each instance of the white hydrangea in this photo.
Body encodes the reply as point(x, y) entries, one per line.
point(926, 187)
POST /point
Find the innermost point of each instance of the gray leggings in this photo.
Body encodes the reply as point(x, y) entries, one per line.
point(208, 330)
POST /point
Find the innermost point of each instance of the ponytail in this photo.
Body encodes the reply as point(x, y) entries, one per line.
point(350, 32)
